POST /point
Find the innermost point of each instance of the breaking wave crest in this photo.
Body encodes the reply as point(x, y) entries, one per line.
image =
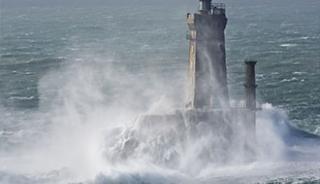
point(87, 130)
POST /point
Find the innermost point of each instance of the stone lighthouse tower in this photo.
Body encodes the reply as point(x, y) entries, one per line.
point(207, 58)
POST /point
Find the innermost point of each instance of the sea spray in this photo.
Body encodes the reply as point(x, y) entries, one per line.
point(92, 137)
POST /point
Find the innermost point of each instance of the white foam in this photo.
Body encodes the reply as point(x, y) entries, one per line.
point(84, 102)
point(21, 97)
point(289, 80)
point(299, 73)
point(288, 45)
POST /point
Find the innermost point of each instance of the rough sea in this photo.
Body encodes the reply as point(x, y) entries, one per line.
point(75, 76)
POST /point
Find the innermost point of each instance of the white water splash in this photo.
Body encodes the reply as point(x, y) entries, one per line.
point(86, 131)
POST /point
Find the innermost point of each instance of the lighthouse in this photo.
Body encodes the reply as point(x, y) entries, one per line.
point(211, 128)
point(207, 57)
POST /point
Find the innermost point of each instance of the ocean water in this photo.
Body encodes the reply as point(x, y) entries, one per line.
point(74, 77)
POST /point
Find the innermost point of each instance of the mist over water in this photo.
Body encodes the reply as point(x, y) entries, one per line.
point(74, 92)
